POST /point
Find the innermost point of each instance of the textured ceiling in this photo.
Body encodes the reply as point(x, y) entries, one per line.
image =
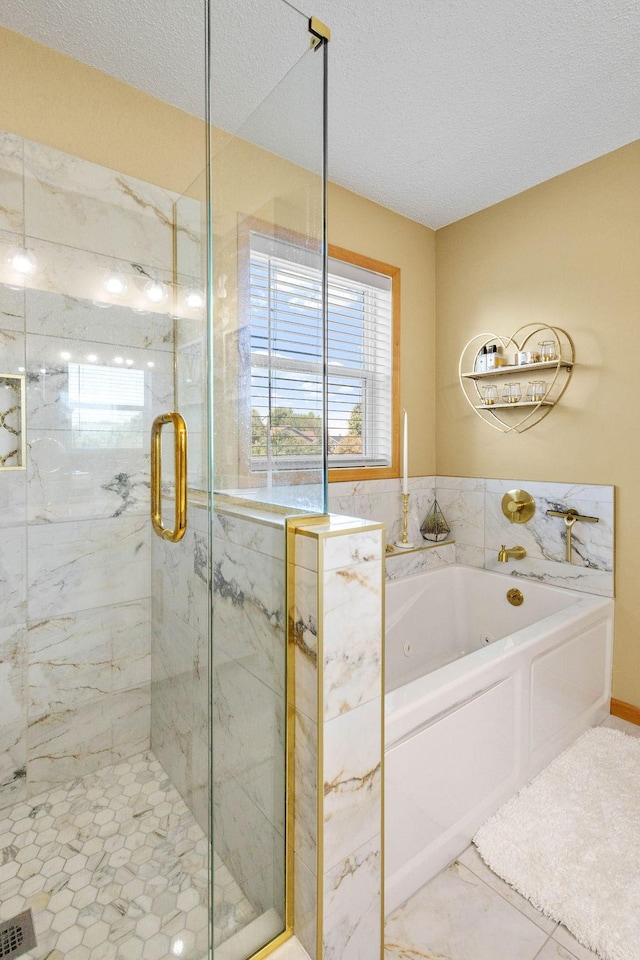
point(437, 109)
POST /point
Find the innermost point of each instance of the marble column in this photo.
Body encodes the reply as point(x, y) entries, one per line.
point(338, 630)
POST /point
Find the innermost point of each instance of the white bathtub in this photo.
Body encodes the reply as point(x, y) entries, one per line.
point(468, 723)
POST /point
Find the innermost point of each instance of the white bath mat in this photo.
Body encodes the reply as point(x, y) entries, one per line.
point(570, 842)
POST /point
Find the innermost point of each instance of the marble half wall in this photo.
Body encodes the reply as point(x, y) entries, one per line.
point(337, 630)
point(472, 507)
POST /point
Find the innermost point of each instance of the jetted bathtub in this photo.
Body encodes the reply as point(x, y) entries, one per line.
point(480, 696)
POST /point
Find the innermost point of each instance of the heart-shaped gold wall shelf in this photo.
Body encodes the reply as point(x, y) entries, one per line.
point(506, 411)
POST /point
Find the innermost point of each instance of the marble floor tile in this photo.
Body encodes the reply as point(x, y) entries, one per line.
point(469, 913)
point(474, 862)
point(114, 867)
point(458, 917)
point(567, 942)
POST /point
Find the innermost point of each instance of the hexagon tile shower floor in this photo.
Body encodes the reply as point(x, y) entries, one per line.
point(113, 865)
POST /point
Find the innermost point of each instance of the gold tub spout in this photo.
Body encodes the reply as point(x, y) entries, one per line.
point(515, 553)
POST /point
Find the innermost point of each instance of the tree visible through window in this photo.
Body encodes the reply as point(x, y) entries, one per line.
point(286, 360)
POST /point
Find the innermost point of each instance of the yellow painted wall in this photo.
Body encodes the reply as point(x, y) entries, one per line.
point(567, 253)
point(375, 231)
point(61, 102)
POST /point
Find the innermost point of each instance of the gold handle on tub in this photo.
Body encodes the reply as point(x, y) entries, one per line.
point(180, 460)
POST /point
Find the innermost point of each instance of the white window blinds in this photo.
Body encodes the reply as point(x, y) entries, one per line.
point(286, 359)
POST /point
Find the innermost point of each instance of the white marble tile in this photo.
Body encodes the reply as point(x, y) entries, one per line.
point(96, 209)
point(13, 576)
point(544, 537)
point(470, 556)
point(352, 780)
point(464, 511)
point(12, 307)
point(11, 168)
point(244, 842)
point(457, 916)
point(249, 598)
point(81, 274)
point(69, 663)
point(54, 314)
point(190, 223)
point(13, 664)
point(130, 714)
point(549, 490)
point(12, 351)
point(305, 906)
point(552, 950)
point(80, 565)
point(572, 947)
point(62, 746)
point(13, 498)
point(567, 575)
point(63, 394)
point(249, 719)
point(399, 564)
point(352, 548)
point(474, 862)
point(87, 655)
point(67, 482)
point(13, 762)
point(306, 802)
point(352, 630)
point(352, 905)
point(256, 536)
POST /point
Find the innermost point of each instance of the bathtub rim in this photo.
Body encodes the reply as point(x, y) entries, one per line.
point(404, 703)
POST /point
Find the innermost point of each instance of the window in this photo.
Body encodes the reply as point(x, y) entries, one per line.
point(286, 360)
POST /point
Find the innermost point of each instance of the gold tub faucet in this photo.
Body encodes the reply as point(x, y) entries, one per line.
point(515, 553)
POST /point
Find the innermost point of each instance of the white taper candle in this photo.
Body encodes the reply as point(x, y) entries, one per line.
point(405, 455)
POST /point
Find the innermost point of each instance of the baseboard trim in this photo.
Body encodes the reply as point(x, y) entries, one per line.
point(626, 711)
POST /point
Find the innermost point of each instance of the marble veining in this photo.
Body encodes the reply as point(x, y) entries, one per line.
point(95, 208)
point(114, 867)
point(79, 565)
point(352, 905)
point(352, 780)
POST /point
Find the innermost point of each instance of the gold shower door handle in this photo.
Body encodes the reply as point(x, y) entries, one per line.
point(180, 458)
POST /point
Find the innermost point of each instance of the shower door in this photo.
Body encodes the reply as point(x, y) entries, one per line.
point(268, 245)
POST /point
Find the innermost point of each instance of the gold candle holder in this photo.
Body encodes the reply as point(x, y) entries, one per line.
point(405, 543)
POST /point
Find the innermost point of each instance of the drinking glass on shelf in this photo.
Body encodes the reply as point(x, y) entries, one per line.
point(490, 394)
point(548, 350)
point(511, 393)
point(536, 390)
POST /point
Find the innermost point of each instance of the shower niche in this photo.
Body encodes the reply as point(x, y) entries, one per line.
point(12, 416)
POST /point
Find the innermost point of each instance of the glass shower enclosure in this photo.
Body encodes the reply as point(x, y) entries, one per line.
point(162, 247)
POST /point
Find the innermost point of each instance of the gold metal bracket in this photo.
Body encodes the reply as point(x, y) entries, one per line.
point(570, 517)
point(518, 506)
point(319, 32)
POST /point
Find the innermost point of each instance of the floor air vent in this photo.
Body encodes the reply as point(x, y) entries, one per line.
point(17, 936)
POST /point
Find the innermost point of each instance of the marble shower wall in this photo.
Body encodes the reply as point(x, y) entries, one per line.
point(250, 702)
point(75, 664)
point(338, 631)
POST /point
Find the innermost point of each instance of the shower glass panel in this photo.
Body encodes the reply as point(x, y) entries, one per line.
point(104, 632)
point(268, 226)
